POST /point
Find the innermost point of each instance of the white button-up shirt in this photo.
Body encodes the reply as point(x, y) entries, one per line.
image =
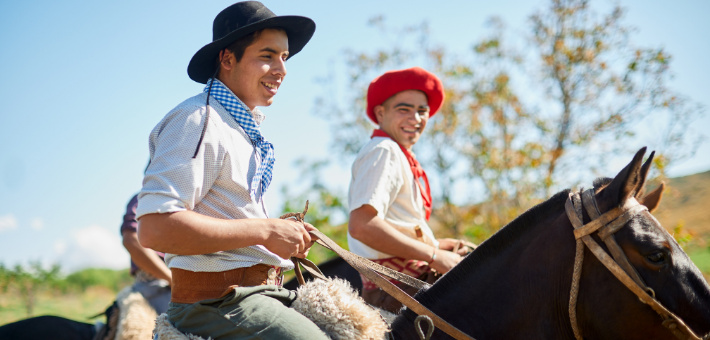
point(382, 178)
point(215, 183)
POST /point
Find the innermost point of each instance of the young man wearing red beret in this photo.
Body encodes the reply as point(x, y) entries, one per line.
point(210, 166)
point(389, 197)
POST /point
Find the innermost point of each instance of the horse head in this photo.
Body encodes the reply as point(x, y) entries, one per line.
point(516, 284)
point(607, 310)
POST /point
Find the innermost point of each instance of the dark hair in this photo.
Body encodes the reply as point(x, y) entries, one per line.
point(238, 47)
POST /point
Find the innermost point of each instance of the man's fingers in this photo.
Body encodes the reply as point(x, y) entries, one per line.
point(301, 255)
point(310, 244)
point(309, 227)
point(302, 246)
point(303, 227)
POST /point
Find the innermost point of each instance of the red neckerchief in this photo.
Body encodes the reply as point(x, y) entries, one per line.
point(417, 170)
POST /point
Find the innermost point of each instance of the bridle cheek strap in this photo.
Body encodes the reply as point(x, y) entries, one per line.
point(607, 224)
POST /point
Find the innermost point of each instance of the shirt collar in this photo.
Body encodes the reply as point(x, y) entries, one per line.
point(256, 114)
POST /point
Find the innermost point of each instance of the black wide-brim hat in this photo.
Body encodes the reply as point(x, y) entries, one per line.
point(239, 20)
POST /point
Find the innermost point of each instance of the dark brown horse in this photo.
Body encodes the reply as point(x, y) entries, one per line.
point(516, 285)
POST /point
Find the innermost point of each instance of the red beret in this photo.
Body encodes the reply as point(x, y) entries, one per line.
point(393, 82)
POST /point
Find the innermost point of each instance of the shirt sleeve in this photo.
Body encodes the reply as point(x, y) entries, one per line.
point(376, 180)
point(129, 219)
point(174, 181)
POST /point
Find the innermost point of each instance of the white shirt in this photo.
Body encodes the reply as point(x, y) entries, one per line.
point(215, 183)
point(382, 178)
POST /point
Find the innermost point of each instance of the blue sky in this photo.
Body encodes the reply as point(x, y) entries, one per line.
point(82, 84)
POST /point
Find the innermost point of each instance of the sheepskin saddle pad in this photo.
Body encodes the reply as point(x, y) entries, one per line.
point(332, 304)
point(136, 316)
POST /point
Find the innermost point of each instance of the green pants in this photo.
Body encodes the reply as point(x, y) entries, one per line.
point(259, 312)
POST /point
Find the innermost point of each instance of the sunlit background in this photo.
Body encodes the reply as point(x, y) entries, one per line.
point(82, 84)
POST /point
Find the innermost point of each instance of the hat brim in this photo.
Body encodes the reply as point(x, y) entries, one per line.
point(298, 29)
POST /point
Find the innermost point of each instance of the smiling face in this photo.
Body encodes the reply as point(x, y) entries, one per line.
point(404, 116)
point(256, 78)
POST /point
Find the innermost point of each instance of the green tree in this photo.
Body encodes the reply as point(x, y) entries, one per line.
point(91, 277)
point(27, 282)
point(326, 206)
point(524, 115)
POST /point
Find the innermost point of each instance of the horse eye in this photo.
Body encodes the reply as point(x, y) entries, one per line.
point(657, 258)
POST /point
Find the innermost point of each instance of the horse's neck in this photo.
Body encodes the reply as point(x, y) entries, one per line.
point(513, 286)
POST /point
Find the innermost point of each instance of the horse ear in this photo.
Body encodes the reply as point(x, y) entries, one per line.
point(640, 189)
point(624, 185)
point(653, 199)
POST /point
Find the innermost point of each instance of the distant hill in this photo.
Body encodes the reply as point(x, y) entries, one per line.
point(686, 202)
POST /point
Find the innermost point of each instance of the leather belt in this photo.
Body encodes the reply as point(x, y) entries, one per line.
point(190, 287)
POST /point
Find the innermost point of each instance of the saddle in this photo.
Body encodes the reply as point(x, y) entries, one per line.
point(130, 317)
point(332, 304)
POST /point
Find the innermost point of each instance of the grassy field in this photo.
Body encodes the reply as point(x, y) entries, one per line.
point(93, 300)
point(76, 306)
point(701, 258)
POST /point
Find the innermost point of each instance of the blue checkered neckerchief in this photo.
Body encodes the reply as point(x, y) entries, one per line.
point(242, 115)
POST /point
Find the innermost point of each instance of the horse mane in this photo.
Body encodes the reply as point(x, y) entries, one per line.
point(490, 247)
point(601, 183)
point(510, 232)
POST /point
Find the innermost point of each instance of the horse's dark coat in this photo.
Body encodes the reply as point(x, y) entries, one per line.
point(47, 327)
point(516, 284)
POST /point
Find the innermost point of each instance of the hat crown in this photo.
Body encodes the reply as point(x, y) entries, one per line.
point(239, 15)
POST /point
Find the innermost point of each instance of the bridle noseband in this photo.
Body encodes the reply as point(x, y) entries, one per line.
point(606, 225)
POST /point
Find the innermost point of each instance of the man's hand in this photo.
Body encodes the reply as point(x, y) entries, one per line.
point(450, 243)
point(289, 238)
point(445, 260)
point(308, 227)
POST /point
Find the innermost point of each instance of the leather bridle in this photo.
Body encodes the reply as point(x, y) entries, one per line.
point(606, 225)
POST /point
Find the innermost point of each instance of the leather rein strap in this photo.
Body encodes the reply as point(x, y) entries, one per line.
point(374, 272)
point(606, 225)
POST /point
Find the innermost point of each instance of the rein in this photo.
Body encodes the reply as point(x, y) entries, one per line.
point(606, 225)
point(375, 273)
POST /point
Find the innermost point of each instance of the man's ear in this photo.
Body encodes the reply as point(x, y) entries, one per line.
point(653, 199)
point(226, 59)
point(379, 112)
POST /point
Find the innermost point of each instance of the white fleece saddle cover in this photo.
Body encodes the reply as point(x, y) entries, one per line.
point(333, 305)
point(135, 316)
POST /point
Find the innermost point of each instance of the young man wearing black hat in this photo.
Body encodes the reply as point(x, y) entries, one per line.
point(202, 197)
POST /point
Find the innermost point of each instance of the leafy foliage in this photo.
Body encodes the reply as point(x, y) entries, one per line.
point(325, 206)
point(91, 277)
point(525, 115)
point(28, 281)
